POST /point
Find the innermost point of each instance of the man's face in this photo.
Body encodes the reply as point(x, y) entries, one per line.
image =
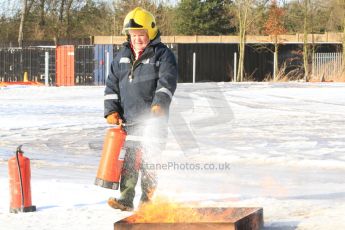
point(139, 39)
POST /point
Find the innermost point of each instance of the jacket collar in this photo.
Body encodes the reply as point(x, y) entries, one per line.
point(147, 51)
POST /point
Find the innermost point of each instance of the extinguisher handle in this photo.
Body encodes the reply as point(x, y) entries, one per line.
point(19, 149)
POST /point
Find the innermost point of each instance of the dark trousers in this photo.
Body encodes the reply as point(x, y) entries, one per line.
point(130, 174)
point(134, 161)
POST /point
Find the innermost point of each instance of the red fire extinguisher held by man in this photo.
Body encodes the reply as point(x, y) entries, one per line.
point(20, 189)
point(113, 154)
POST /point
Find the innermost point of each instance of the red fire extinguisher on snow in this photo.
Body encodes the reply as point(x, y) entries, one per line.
point(113, 154)
point(20, 175)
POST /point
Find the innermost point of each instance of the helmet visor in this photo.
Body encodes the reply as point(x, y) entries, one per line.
point(132, 25)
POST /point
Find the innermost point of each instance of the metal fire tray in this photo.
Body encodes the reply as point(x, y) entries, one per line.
point(231, 218)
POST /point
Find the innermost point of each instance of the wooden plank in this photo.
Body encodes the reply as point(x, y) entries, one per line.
point(286, 38)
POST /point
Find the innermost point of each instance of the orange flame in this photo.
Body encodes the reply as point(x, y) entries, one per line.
point(162, 211)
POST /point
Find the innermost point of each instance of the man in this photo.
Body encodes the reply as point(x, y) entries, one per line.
point(140, 86)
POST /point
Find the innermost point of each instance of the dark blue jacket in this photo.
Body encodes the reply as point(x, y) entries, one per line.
point(132, 87)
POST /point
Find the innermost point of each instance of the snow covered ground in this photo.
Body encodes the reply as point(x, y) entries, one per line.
point(278, 146)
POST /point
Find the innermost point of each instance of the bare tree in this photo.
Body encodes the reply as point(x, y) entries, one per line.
point(342, 6)
point(246, 14)
point(306, 4)
point(68, 17)
point(42, 13)
point(243, 7)
point(22, 20)
point(344, 40)
point(25, 9)
point(274, 26)
point(61, 11)
point(63, 24)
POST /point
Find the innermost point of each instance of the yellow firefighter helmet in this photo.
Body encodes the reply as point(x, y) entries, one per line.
point(139, 19)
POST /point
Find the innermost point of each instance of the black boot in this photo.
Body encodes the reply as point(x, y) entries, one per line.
point(120, 204)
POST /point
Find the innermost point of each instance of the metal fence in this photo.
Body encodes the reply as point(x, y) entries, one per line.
point(84, 65)
point(326, 65)
point(10, 64)
point(15, 61)
point(213, 62)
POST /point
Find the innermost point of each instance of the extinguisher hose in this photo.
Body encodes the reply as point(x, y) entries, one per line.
point(20, 179)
